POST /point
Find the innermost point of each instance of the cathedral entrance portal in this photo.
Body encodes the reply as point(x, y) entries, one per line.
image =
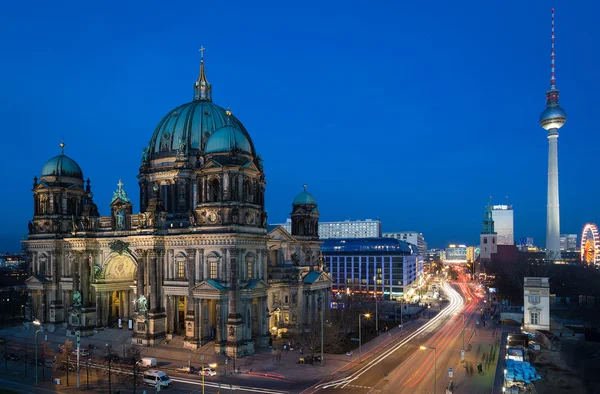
point(114, 290)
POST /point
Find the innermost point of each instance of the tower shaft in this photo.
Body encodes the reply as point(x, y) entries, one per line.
point(553, 208)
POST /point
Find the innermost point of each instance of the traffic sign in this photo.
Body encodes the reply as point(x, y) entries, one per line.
point(450, 373)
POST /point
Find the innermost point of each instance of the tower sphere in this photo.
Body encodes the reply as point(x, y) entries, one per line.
point(553, 117)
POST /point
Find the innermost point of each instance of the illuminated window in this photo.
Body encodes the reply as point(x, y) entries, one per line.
point(534, 317)
point(181, 269)
point(213, 270)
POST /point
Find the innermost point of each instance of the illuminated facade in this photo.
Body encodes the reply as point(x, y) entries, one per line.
point(382, 265)
point(455, 254)
point(412, 237)
point(192, 263)
point(504, 224)
point(367, 228)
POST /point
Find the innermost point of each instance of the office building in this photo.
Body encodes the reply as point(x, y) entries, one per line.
point(367, 228)
point(455, 254)
point(504, 224)
point(412, 237)
point(568, 242)
point(367, 265)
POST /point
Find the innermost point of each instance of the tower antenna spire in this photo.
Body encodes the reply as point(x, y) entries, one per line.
point(552, 76)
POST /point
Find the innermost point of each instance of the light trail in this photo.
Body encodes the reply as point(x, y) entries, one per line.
point(456, 302)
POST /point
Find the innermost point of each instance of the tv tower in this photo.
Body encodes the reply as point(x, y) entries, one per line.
point(552, 119)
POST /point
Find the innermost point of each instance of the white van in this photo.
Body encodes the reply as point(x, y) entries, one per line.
point(153, 377)
point(147, 362)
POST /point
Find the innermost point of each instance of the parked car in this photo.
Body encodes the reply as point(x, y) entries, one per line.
point(11, 357)
point(208, 372)
point(186, 369)
point(82, 352)
point(147, 362)
point(154, 378)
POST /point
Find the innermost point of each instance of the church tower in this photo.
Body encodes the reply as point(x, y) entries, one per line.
point(305, 215)
point(488, 238)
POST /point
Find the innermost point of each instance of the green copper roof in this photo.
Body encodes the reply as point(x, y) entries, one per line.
point(189, 127)
point(228, 139)
point(305, 198)
point(62, 165)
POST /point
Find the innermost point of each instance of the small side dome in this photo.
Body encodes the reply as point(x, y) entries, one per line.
point(304, 198)
point(228, 139)
point(62, 165)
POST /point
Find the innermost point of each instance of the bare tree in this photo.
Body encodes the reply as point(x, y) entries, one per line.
point(64, 357)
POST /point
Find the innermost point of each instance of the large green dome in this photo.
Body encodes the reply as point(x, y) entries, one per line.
point(193, 123)
point(62, 165)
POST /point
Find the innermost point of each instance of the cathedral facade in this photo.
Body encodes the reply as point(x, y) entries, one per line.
point(193, 262)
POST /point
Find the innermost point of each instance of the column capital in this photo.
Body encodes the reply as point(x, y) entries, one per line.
point(191, 252)
point(152, 253)
point(141, 252)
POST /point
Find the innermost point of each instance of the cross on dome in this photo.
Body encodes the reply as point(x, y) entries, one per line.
point(120, 184)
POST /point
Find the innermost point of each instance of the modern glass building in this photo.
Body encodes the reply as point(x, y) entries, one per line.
point(369, 265)
point(504, 224)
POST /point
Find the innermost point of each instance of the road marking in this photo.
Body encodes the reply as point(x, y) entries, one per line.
point(225, 386)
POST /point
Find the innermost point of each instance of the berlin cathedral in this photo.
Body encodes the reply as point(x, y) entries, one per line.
point(196, 261)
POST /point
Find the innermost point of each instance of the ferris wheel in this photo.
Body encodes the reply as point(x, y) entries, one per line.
point(590, 244)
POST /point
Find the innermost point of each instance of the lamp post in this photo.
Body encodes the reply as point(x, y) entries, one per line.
point(463, 329)
point(37, 324)
point(367, 315)
point(376, 306)
point(434, 364)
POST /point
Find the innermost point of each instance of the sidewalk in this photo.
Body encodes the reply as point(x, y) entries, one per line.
point(485, 343)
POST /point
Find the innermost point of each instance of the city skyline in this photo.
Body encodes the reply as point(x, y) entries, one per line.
point(104, 92)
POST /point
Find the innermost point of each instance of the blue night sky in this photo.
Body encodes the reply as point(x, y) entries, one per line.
point(414, 114)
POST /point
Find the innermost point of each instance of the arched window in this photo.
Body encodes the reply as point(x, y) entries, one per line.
point(215, 190)
point(300, 227)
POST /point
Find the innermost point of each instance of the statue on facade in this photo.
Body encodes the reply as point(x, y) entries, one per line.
point(321, 262)
point(192, 219)
point(120, 220)
point(30, 227)
point(144, 155)
point(295, 258)
point(142, 304)
point(76, 299)
point(74, 223)
point(85, 223)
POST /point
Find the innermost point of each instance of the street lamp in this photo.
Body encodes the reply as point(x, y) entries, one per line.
point(376, 306)
point(434, 364)
point(463, 329)
point(367, 315)
point(36, 323)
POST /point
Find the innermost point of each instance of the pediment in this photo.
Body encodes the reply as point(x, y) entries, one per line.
point(37, 280)
point(250, 166)
point(256, 285)
point(316, 277)
point(279, 233)
point(212, 164)
point(208, 286)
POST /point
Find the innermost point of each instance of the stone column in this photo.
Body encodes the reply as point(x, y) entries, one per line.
point(197, 321)
point(140, 271)
point(169, 314)
point(160, 269)
point(199, 276)
point(85, 279)
point(153, 280)
point(191, 268)
point(220, 333)
point(176, 313)
point(99, 309)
